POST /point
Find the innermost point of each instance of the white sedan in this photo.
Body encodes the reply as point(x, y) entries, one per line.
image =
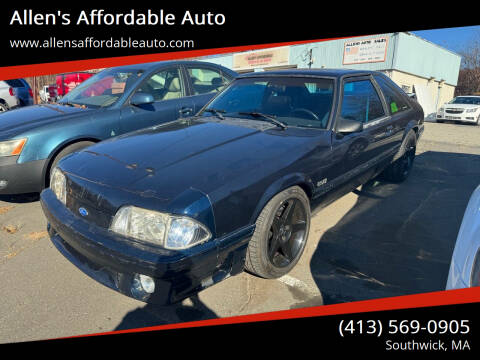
point(461, 109)
point(465, 265)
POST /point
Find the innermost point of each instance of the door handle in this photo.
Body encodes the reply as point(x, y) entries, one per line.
point(185, 111)
point(389, 130)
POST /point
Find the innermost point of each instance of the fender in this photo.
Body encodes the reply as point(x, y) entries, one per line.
point(62, 145)
point(409, 129)
point(300, 179)
point(197, 205)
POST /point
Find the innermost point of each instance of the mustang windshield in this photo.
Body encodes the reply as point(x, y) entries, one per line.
point(466, 100)
point(101, 90)
point(293, 101)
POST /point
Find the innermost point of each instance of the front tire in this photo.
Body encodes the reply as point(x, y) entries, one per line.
point(280, 235)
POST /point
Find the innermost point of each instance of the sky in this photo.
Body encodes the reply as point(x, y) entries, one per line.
point(454, 39)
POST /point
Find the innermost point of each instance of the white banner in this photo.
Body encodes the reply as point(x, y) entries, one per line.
point(365, 51)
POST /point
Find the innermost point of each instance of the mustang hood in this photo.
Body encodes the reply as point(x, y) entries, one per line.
point(19, 120)
point(200, 155)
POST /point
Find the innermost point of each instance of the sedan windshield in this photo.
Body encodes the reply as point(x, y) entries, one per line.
point(101, 90)
point(291, 101)
point(466, 100)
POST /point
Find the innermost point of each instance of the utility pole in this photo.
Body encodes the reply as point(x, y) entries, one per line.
point(35, 90)
point(310, 61)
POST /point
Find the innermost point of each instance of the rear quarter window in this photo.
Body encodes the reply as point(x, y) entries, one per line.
point(396, 102)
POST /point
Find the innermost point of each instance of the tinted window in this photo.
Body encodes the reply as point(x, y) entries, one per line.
point(361, 102)
point(395, 101)
point(163, 85)
point(15, 83)
point(206, 80)
point(295, 101)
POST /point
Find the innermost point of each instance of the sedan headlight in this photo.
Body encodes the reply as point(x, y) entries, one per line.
point(170, 231)
point(12, 147)
point(472, 110)
point(58, 185)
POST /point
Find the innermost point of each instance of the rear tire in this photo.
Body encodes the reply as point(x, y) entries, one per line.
point(3, 107)
point(280, 235)
point(400, 169)
point(66, 151)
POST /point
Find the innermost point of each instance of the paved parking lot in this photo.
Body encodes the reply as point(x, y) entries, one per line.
point(381, 240)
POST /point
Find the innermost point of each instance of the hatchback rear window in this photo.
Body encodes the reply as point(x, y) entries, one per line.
point(15, 83)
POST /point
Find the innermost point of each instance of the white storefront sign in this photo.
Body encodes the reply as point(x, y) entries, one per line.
point(365, 51)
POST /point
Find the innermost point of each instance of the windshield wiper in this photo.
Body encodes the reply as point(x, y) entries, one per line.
point(216, 112)
point(270, 118)
point(66, 103)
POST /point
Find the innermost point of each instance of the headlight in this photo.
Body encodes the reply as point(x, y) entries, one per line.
point(169, 231)
point(472, 110)
point(58, 185)
point(441, 110)
point(12, 147)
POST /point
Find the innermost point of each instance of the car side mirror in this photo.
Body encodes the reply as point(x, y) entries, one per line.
point(141, 98)
point(347, 126)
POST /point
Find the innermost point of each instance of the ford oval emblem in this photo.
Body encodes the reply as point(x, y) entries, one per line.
point(83, 211)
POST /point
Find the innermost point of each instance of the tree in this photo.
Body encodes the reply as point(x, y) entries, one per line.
point(469, 75)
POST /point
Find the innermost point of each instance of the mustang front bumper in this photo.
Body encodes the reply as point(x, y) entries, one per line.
point(116, 261)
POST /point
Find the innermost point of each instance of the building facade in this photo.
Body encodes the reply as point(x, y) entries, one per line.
point(416, 65)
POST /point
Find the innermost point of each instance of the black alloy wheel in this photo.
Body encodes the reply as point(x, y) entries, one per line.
point(280, 235)
point(287, 234)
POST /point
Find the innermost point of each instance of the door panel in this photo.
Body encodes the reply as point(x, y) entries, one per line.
point(170, 103)
point(363, 150)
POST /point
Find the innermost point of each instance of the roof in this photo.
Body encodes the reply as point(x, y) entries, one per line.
point(310, 72)
point(152, 65)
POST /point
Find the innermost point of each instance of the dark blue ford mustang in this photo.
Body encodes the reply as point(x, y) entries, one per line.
point(164, 212)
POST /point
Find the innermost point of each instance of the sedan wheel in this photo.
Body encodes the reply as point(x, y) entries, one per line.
point(280, 235)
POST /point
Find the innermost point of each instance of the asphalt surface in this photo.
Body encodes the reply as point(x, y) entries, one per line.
point(381, 240)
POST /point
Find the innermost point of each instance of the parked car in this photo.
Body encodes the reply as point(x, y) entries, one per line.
point(52, 93)
point(161, 213)
point(113, 102)
point(44, 94)
point(15, 93)
point(461, 109)
point(69, 81)
point(465, 265)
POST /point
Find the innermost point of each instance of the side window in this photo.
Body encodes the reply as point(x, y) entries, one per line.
point(163, 85)
point(361, 101)
point(395, 100)
point(206, 80)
